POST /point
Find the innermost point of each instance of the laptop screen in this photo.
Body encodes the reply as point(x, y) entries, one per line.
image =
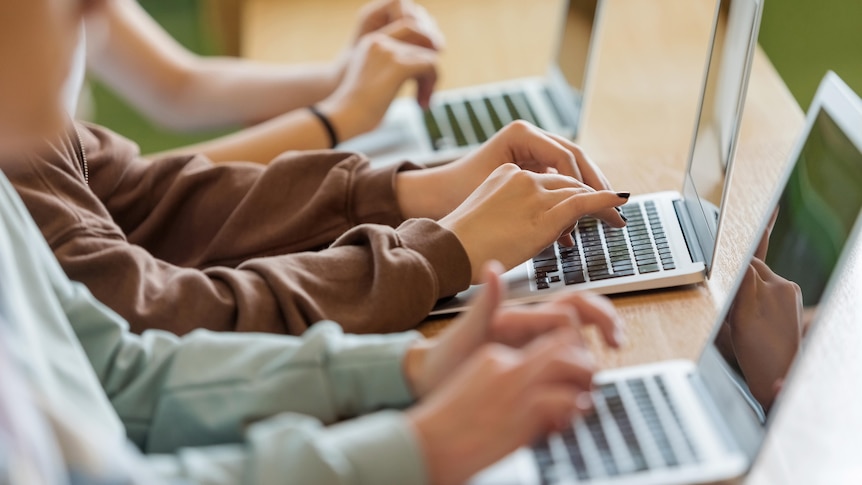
point(717, 126)
point(569, 73)
point(772, 309)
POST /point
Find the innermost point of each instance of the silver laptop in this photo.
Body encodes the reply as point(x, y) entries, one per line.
point(670, 237)
point(458, 120)
point(686, 422)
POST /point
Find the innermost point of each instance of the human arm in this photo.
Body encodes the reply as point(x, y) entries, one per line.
point(184, 91)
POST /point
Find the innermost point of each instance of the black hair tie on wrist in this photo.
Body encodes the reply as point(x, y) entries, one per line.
point(333, 137)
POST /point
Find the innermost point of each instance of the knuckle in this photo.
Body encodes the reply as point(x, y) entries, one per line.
point(519, 127)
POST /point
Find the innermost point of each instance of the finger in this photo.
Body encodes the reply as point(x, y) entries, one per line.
point(596, 310)
point(530, 144)
point(599, 203)
point(518, 326)
point(420, 64)
point(559, 356)
point(425, 89)
point(590, 172)
point(553, 181)
point(566, 239)
point(484, 306)
point(406, 30)
point(550, 409)
point(429, 26)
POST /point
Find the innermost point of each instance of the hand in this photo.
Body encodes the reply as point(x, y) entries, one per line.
point(396, 15)
point(430, 362)
point(378, 67)
point(438, 191)
point(765, 324)
point(498, 378)
point(515, 214)
point(766, 329)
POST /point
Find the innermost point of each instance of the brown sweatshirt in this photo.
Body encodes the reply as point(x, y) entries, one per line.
point(180, 243)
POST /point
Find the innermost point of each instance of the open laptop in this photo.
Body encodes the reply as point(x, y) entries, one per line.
point(670, 237)
point(686, 422)
point(461, 119)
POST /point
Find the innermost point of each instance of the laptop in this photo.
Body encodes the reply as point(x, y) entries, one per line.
point(459, 120)
point(686, 422)
point(670, 236)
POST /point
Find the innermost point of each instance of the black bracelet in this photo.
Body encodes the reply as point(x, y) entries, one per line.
point(333, 137)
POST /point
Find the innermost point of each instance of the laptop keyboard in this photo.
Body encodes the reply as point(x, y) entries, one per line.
point(603, 252)
point(472, 121)
point(635, 427)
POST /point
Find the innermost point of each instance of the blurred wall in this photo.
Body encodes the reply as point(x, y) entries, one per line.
point(805, 38)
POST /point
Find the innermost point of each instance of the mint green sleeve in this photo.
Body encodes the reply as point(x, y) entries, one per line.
point(258, 408)
point(220, 408)
point(379, 448)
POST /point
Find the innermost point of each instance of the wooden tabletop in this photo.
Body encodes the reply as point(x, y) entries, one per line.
point(644, 87)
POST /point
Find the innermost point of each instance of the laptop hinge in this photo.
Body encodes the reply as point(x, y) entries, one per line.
point(688, 232)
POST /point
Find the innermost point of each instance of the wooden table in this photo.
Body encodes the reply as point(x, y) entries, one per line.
point(640, 111)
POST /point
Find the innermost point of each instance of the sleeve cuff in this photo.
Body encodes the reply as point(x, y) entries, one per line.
point(367, 372)
point(373, 199)
point(381, 448)
point(442, 249)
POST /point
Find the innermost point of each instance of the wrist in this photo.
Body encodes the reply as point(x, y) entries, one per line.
point(423, 193)
point(415, 368)
point(456, 224)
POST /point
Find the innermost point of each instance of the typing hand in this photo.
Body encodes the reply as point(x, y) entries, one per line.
point(378, 66)
point(515, 214)
point(438, 191)
point(430, 362)
point(394, 16)
point(506, 396)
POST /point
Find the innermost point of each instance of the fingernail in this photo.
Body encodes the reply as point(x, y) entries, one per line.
point(624, 195)
point(625, 219)
point(618, 210)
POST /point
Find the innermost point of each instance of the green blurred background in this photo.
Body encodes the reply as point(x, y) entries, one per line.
point(803, 38)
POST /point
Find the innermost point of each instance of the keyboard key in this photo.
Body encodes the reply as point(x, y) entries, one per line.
point(492, 113)
point(651, 419)
point(573, 277)
point(432, 129)
point(475, 124)
point(460, 138)
point(573, 447)
point(594, 426)
point(650, 268)
point(510, 105)
point(523, 104)
point(556, 109)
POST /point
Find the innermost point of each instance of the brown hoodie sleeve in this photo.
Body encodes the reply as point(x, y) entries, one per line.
point(180, 243)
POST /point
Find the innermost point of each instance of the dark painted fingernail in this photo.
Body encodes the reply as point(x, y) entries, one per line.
point(624, 195)
point(625, 219)
point(618, 210)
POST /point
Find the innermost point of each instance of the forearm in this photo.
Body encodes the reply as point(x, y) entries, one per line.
point(218, 92)
point(294, 131)
point(184, 91)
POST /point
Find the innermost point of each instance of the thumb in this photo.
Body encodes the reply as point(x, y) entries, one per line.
point(472, 329)
point(485, 305)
